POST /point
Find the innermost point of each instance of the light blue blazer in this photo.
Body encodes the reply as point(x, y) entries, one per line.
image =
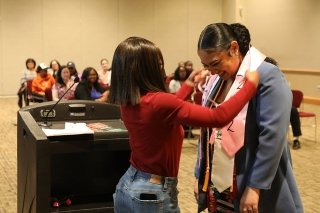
point(264, 161)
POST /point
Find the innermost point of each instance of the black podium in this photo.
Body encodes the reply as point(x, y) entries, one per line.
point(81, 168)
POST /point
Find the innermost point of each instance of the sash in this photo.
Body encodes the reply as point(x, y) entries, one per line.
point(234, 131)
point(225, 141)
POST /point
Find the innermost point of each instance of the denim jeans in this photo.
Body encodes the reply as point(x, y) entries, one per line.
point(135, 193)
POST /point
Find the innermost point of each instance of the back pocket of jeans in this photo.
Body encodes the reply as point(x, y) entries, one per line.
point(147, 202)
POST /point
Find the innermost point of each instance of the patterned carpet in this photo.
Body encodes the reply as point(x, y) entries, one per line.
point(305, 162)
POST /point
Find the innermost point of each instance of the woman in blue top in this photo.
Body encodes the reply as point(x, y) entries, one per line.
point(89, 87)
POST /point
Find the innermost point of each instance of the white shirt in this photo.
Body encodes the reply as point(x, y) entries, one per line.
point(105, 77)
point(174, 86)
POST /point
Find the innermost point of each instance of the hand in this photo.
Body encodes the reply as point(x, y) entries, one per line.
point(197, 77)
point(195, 189)
point(253, 76)
point(201, 77)
point(250, 200)
point(104, 97)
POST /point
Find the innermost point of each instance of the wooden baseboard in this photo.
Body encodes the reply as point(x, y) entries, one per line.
point(301, 71)
point(311, 100)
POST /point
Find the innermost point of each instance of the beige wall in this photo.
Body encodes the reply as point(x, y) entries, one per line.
point(287, 30)
point(305, 80)
point(84, 31)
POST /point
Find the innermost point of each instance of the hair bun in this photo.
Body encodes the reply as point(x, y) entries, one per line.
point(243, 37)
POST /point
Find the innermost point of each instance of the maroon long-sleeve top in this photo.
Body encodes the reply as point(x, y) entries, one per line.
point(155, 126)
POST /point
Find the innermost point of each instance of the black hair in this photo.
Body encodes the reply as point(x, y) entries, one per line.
point(84, 79)
point(59, 65)
point(218, 36)
point(59, 77)
point(137, 68)
point(75, 73)
point(176, 75)
point(39, 69)
point(54, 74)
point(243, 37)
point(271, 61)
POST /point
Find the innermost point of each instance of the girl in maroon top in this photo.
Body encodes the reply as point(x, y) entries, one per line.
point(154, 120)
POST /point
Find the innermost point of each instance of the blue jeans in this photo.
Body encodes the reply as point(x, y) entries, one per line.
point(136, 192)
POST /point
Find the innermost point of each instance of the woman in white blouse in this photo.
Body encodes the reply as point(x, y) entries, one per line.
point(180, 75)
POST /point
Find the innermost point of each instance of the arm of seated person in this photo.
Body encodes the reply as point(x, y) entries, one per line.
point(55, 96)
point(104, 97)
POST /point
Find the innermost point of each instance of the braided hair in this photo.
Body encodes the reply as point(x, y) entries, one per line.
point(218, 36)
point(243, 37)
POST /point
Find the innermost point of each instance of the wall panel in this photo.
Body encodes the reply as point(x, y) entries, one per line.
point(1, 48)
point(84, 31)
point(21, 38)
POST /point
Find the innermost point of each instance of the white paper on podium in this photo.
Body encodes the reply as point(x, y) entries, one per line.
point(69, 129)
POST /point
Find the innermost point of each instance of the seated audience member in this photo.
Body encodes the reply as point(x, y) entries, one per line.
point(181, 64)
point(169, 77)
point(89, 87)
point(42, 83)
point(28, 75)
point(63, 83)
point(296, 127)
point(180, 75)
point(188, 65)
point(73, 70)
point(104, 74)
point(55, 67)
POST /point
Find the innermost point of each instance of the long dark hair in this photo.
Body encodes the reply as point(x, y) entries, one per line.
point(218, 36)
point(55, 60)
point(137, 68)
point(59, 77)
point(176, 75)
point(84, 79)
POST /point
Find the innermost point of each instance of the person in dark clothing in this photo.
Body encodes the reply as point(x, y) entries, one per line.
point(73, 70)
point(296, 127)
point(89, 87)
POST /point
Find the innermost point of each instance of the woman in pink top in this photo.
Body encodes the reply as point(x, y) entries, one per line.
point(154, 120)
point(63, 83)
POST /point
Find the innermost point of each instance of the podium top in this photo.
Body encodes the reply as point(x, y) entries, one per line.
point(73, 110)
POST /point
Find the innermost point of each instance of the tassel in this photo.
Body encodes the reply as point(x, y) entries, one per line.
point(207, 174)
point(234, 188)
point(211, 102)
point(206, 180)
